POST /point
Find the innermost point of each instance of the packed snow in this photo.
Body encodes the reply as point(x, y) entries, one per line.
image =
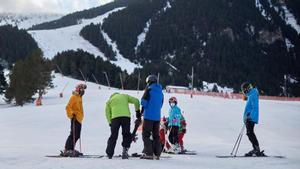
point(25, 21)
point(124, 63)
point(29, 133)
point(58, 40)
point(142, 37)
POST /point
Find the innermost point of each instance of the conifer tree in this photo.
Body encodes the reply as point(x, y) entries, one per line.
point(3, 83)
point(28, 77)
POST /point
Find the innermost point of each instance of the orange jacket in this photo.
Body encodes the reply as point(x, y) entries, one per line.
point(74, 107)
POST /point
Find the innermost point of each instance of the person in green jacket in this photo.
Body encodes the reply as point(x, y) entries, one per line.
point(118, 115)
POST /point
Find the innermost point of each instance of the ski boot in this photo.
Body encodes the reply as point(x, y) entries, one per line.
point(254, 152)
point(125, 154)
point(156, 157)
point(78, 153)
point(70, 153)
point(147, 157)
point(176, 149)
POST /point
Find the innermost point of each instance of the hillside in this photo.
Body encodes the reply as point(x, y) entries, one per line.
point(226, 42)
point(15, 44)
point(261, 44)
point(29, 133)
point(25, 21)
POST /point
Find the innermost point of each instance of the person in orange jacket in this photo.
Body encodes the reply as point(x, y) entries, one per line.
point(74, 110)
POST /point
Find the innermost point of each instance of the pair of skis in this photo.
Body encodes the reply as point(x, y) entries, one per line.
point(134, 155)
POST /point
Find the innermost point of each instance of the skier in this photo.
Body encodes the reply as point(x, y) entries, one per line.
point(251, 115)
point(118, 115)
point(181, 133)
point(152, 102)
point(174, 122)
point(74, 111)
point(165, 146)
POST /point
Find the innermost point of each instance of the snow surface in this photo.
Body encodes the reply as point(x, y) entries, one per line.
point(261, 9)
point(58, 40)
point(142, 37)
point(25, 21)
point(290, 19)
point(124, 63)
point(208, 87)
point(29, 133)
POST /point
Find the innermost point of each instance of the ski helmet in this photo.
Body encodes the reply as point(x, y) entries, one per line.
point(246, 87)
point(151, 79)
point(173, 100)
point(80, 89)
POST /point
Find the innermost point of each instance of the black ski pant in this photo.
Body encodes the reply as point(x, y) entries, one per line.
point(116, 123)
point(251, 135)
point(173, 136)
point(151, 147)
point(74, 135)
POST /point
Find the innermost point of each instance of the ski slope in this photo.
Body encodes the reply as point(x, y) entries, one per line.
point(29, 133)
point(68, 38)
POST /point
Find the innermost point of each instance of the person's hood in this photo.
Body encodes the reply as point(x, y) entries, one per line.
point(155, 87)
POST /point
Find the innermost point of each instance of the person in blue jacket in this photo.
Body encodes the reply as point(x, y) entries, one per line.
point(251, 116)
point(174, 121)
point(152, 102)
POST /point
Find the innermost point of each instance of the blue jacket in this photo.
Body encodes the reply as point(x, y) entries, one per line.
point(252, 110)
point(174, 116)
point(152, 102)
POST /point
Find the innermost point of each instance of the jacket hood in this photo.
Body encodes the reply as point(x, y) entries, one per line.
point(251, 92)
point(155, 87)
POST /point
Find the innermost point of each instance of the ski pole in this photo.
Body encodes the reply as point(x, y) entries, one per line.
point(234, 147)
point(80, 144)
point(73, 121)
point(80, 140)
point(239, 142)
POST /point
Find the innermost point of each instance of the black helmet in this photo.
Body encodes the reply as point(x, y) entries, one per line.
point(151, 79)
point(245, 87)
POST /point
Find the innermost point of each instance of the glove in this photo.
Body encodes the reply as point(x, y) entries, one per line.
point(138, 114)
point(138, 121)
point(183, 131)
point(73, 117)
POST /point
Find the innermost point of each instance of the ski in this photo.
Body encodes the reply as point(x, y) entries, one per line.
point(230, 156)
point(82, 156)
point(138, 155)
point(183, 153)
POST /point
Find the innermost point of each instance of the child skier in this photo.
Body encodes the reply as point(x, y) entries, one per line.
point(165, 146)
point(174, 122)
point(181, 133)
point(74, 111)
point(251, 115)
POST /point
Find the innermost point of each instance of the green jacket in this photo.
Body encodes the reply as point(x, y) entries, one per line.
point(118, 106)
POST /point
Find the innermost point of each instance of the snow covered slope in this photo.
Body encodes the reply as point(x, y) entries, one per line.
point(25, 21)
point(29, 133)
point(68, 38)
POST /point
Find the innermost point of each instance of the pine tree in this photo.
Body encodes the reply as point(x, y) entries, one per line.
point(28, 77)
point(3, 83)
